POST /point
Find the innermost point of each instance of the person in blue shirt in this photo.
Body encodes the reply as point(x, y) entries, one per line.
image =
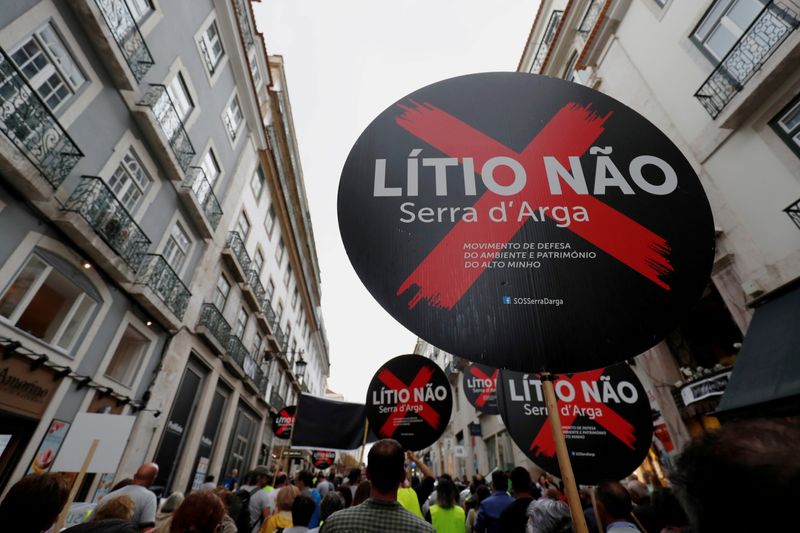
point(305, 482)
point(490, 509)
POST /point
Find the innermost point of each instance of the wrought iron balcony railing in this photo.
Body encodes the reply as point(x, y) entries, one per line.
point(794, 213)
point(157, 274)
point(125, 30)
point(211, 318)
point(280, 336)
point(244, 22)
point(590, 18)
point(765, 34)
point(256, 285)
point(196, 181)
point(236, 244)
point(275, 400)
point(269, 312)
point(547, 40)
point(97, 204)
point(239, 354)
point(28, 123)
point(261, 382)
point(160, 103)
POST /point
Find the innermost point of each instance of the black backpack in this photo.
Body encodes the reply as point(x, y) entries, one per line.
point(240, 510)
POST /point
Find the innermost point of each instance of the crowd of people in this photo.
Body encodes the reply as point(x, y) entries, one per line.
point(385, 499)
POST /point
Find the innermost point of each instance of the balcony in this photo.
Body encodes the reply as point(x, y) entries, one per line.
point(267, 314)
point(29, 125)
point(243, 17)
point(239, 358)
point(201, 202)
point(253, 291)
point(590, 18)
point(547, 39)
point(214, 328)
point(275, 400)
point(123, 27)
point(158, 278)
point(764, 35)
point(108, 219)
point(236, 256)
point(794, 213)
point(165, 128)
point(280, 336)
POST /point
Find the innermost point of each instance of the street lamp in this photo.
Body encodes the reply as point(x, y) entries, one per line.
point(300, 368)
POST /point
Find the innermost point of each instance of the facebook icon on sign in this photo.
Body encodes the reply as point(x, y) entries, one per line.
point(507, 300)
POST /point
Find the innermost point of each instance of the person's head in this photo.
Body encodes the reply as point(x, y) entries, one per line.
point(172, 502)
point(200, 512)
point(285, 497)
point(304, 479)
point(446, 493)
point(227, 497)
point(261, 476)
point(549, 516)
point(711, 470)
point(34, 503)
point(354, 475)
point(483, 492)
point(234, 472)
point(613, 502)
point(667, 507)
point(302, 510)
point(499, 481)
point(331, 503)
point(120, 507)
point(280, 481)
point(209, 478)
point(385, 465)
point(346, 495)
point(521, 482)
point(638, 491)
point(146, 475)
point(362, 492)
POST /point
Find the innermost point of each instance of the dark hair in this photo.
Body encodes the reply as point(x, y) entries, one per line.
point(346, 495)
point(306, 477)
point(520, 480)
point(446, 495)
point(227, 497)
point(34, 503)
point(667, 507)
point(200, 512)
point(385, 464)
point(362, 492)
point(302, 510)
point(209, 478)
point(280, 480)
point(482, 492)
point(332, 502)
point(711, 470)
point(353, 475)
point(615, 498)
point(499, 480)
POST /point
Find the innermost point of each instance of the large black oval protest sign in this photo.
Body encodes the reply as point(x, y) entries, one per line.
point(525, 222)
point(480, 387)
point(283, 423)
point(409, 400)
point(323, 459)
point(605, 417)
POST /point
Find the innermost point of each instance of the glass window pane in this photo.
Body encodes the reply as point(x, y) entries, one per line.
point(127, 357)
point(63, 60)
point(721, 41)
point(16, 292)
point(791, 119)
point(210, 167)
point(743, 12)
point(712, 19)
point(180, 96)
point(76, 323)
point(49, 306)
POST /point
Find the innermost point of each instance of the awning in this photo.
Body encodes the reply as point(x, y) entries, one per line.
point(766, 378)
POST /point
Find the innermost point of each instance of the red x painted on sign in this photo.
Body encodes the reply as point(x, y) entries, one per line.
point(286, 427)
point(544, 444)
point(571, 132)
point(487, 392)
point(426, 412)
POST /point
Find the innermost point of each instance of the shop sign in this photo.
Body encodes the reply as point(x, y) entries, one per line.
point(409, 399)
point(605, 417)
point(705, 388)
point(525, 222)
point(24, 391)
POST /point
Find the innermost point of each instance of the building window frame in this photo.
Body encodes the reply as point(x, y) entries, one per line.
point(243, 225)
point(257, 182)
point(132, 323)
point(222, 290)
point(233, 118)
point(716, 19)
point(788, 130)
point(269, 220)
point(173, 249)
point(280, 251)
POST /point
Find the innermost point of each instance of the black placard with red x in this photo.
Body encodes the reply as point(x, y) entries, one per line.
point(323, 459)
point(409, 400)
point(605, 417)
point(283, 423)
point(480, 387)
point(525, 222)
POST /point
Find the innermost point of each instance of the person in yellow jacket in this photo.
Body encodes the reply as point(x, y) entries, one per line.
point(446, 515)
point(283, 516)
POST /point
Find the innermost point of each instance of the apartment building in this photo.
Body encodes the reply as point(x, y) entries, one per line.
point(157, 258)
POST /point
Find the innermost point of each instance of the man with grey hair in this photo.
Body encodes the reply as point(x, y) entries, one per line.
point(548, 516)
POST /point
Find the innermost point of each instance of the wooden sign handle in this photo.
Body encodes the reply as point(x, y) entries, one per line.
point(62, 518)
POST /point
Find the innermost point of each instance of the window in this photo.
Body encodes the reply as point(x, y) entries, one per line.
point(210, 167)
point(243, 225)
point(129, 181)
point(127, 357)
point(269, 222)
point(254, 69)
point(48, 66)
point(294, 345)
point(241, 323)
point(289, 332)
point(279, 310)
point(287, 276)
point(139, 8)
point(221, 292)
point(46, 303)
point(258, 261)
point(270, 289)
point(280, 251)
point(233, 117)
point(181, 99)
point(258, 342)
point(177, 247)
point(211, 46)
point(787, 125)
point(723, 25)
point(257, 182)
point(295, 298)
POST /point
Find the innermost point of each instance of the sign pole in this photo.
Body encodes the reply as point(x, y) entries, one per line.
point(596, 513)
point(363, 442)
point(571, 488)
point(288, 457)
point(62, 518)
point(497, 451)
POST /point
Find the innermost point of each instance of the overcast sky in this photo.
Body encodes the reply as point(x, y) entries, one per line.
point(346, 61)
